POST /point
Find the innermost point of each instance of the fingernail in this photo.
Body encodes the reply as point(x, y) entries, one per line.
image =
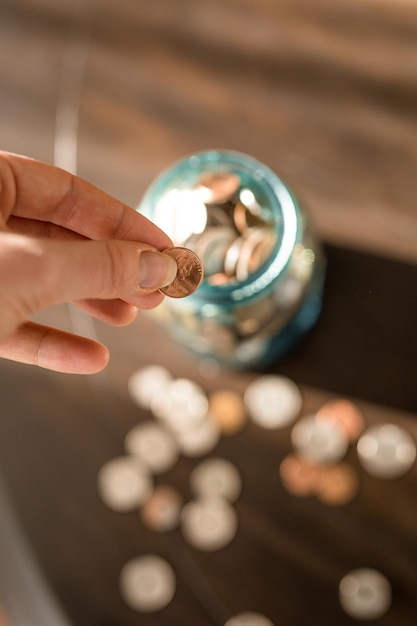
point(156, 270)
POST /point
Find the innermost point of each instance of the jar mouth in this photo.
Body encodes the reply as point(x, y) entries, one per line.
point(273, 196)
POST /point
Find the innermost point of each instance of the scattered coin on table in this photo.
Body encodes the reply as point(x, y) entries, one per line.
point(344, 413)
point(227, 410)
point(319, 441)
point(337, 484)
point(249, 618)
point(365, 593)
point(146, 382)
point(386, 451)
point(299, 476)
point(208, 523)
point(216, 477)
point(188, 421)
point(124, 483)
point(154, 445)
point(162, 511)
point(147, 583)
point(273, 401)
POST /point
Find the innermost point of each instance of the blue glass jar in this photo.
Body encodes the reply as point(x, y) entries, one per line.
point(264, 268)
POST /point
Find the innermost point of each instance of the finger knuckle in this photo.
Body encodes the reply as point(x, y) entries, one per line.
point(116, 270)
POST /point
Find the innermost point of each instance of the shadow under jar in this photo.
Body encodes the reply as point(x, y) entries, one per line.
point(263, 266)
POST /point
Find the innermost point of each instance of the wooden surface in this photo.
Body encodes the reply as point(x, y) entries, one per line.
point(323, 92)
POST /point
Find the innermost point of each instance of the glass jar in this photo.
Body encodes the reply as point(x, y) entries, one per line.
point(264, 268)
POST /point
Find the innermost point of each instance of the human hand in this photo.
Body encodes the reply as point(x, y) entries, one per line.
point(64, 240)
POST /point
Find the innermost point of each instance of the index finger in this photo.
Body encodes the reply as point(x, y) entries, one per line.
point(36, 190)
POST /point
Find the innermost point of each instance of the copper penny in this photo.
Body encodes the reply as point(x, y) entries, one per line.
point(218, 187)
point(162, 510)
point(346, 414)
point(189, 274)
point(227, 409)
point(299, 476)
point(337, 485)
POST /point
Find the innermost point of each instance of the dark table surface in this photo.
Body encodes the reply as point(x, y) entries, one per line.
point(325, 94)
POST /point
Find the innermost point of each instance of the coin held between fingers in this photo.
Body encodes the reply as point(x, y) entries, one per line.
point(189, 273)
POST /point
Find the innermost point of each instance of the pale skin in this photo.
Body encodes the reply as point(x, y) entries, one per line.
point(64, 240)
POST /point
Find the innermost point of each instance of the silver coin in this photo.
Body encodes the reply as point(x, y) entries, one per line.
point(386, 451)
point(147, 382)
point(124, 483)
point(208, 523)
point(198, 439)
point(154, 445)
point(255, 250)
point(232, 256)
point(147, 583)
point(320, 442)
point(249, 618)
point(216, 477)
point(183, 404)
point(365, 593)
point(212, 247)
point(273, 401)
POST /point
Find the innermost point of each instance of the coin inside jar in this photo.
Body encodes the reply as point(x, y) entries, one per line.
point(189, 273)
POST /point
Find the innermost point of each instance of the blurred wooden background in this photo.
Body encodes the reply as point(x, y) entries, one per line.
point(323, 92)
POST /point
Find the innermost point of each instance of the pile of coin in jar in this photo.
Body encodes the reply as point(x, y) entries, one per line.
point(187, 421)
point(223, 223)
point(263, 265)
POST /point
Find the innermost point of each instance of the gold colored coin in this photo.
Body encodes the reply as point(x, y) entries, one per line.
point(299, 476)
point(337, 485)
point(189, 274)
point(226, 408)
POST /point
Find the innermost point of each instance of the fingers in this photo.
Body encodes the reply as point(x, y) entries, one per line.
point(56, 350)
point(114, 312)
point(119, 312)
point(37, 228)
point(35, 274)
point(36, 190)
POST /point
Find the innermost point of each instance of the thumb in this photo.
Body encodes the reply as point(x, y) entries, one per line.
point(37, 273)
